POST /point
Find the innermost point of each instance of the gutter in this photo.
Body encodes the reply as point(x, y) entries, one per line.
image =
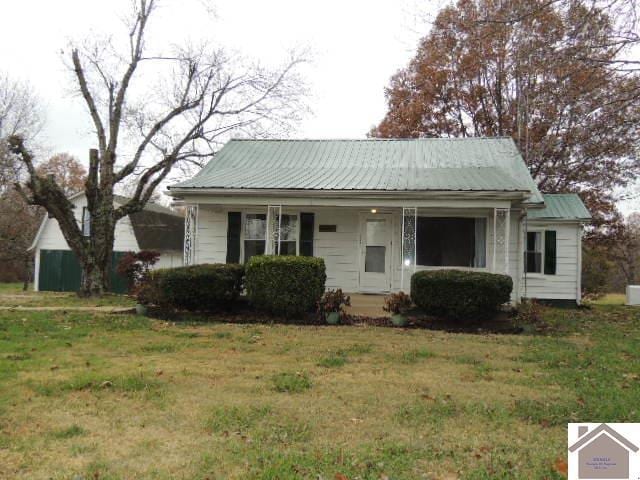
point(510, 194)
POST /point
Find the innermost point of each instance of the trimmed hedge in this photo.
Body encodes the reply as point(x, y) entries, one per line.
point(285, 285)
point(460, 295)
point(203, 287)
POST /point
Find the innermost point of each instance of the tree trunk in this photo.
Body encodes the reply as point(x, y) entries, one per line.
point(27, 271)
point(96, 265)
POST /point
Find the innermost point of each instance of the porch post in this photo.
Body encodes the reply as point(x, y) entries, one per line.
point(190, 232)
point(274, 216)
point(409, 237)
point(501, 227)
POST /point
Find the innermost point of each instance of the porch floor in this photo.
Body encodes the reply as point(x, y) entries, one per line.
point(367, 305)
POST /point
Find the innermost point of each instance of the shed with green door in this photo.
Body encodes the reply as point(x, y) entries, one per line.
point(155, 228)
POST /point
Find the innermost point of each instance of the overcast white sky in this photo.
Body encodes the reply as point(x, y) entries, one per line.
point(357, 45)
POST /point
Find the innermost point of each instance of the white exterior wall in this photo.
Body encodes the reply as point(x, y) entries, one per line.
point(211, 234)
point(169, 259)
point(565, 284)
point(341, 249)
point(52, 238)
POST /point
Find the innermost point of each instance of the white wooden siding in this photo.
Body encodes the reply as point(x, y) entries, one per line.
point(211, 235)
point(340, 249)
point(52, 238)
point(169, 259)
point(564, 285)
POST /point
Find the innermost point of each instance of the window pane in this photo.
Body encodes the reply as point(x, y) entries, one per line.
point(374, 259)
point(288, 248)
point(289, 227)
point(480, 252)
point(446, 242)
point(255, 226)
point(534, 243)
point(376, 233)
point(533, 255)
point(533, 262)
point(253, 247)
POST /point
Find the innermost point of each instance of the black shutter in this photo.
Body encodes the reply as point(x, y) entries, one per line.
point(233, 237)
point(550, 252)
point(306, 234)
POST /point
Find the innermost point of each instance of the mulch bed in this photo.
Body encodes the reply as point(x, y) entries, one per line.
point(243, 313)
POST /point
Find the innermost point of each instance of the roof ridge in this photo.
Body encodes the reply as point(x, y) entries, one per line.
point(369, 139)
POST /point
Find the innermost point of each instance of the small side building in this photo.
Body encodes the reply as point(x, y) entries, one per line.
point(154, 228)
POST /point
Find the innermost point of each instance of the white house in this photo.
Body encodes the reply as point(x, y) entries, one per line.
point(155, 228)
point(378, 210)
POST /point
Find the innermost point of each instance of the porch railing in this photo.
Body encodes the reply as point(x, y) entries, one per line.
point(190, 233)
point(409, 237)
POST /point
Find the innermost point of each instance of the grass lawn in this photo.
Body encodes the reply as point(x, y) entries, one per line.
point(121, 396)
point(12, 295)
point(611, 299)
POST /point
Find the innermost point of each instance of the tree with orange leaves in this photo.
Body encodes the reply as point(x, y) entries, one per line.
point(550, 74)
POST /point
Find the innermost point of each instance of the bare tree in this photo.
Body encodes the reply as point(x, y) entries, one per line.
point(20, 114)
point(199, 94)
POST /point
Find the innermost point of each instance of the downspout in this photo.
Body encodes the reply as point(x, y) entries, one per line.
point(523, 259)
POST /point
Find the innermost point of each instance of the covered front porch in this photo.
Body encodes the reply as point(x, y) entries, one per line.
point(369, 246)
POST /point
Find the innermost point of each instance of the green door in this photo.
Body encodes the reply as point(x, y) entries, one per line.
point(60, 272)
point(50, 276)
point(118, 283)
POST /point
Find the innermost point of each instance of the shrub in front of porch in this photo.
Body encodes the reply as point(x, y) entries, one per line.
point(285, 285)
point(205, 287)
point(460, 295)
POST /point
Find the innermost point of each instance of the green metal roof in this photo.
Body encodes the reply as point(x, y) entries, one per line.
point(561, 206)
point(441, 164)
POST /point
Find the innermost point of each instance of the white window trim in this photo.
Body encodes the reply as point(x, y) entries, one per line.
point(243, 216)
point(487, 252)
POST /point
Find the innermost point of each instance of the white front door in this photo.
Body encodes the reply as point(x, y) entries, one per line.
point(375, 253)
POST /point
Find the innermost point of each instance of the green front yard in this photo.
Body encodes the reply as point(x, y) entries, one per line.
point(121, 396)
point(12, 295)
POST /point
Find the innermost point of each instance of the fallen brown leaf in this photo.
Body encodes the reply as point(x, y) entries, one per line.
point(561, 466)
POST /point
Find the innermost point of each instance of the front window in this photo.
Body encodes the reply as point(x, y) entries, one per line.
point(255, 235)
point(255, 230)
point(288, 235)
point(375, 253)
point(451, 242)
point(533, 253)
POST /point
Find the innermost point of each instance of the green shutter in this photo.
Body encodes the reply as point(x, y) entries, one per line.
point(234, 225)
point(550, 252)
point(306, 234)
